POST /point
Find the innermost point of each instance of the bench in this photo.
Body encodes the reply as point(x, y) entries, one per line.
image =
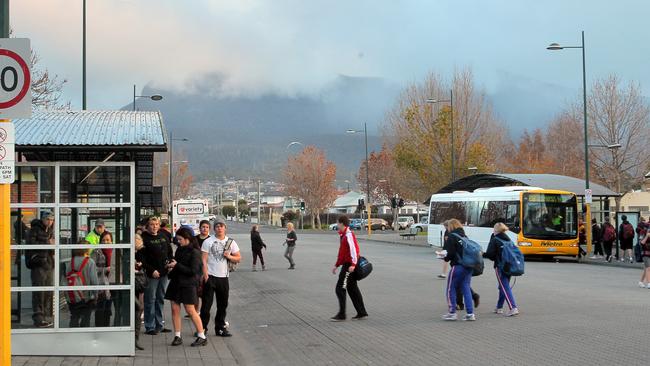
point(413, 232)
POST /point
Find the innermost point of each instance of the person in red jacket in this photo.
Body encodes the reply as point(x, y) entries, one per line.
point(347, 283)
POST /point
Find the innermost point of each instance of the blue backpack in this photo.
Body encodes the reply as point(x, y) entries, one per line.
point(472, 257)
point(512, 260)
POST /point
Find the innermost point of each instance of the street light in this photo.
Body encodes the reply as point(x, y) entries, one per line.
point(473, 169)
point(557, 47)
point(294, 143)
point(615, 146)
point(170, 163)
point(368, 205)
point(155, 97)
point(453, 153)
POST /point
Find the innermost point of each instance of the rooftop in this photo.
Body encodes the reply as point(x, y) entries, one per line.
point(98, 129)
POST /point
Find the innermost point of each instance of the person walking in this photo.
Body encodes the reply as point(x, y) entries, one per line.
point(596, 239)
point(460, 303)
point(626, 234)
point(157, 252)
point(184, 270)
point(459, 276)
point(347, 259)
point(41, 264)
point(217, 251)
point(256, 247)
point(608, 238)
point(493, 253)
point(645, 255)
point(291, 245)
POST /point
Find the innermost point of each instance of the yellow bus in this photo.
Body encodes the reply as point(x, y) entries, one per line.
point(542, 222)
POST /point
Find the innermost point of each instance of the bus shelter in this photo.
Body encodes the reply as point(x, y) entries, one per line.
point(76, 171)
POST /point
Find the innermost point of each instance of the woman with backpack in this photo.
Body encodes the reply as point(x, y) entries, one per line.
point(645, 255)
point(494, 253)
point(83, 272)
point(626, 234)
point(459, 276)
point(609, 236)
point(184, 271)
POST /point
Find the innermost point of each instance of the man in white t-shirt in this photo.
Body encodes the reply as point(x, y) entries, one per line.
point(215, 275)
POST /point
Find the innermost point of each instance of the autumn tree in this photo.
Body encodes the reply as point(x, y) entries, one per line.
point(565, 146)
point(383, 176)
point(530, 155)
point(310, 177)
point(419, 133)
point(181, 176)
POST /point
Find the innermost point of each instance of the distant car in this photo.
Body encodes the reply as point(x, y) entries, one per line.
point(378, 224)
point(334, 227)
point(421, 226)
point(356, 224)
point(405, 222)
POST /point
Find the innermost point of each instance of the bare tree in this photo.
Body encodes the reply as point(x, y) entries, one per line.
point(564, 144)
point(618, 114)
point(310, 176)
point(47, 88)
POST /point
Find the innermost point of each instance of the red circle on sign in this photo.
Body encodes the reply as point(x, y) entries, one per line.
point(26, 77)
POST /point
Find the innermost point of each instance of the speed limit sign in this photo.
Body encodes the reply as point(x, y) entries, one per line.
point(15, 78)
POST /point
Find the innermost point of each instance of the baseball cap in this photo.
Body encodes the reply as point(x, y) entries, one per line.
point(99, 222)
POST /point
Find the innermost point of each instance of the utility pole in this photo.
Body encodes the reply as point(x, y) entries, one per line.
point(236, 202)
point(5, 238)
point(259, 201)
point(83, 60)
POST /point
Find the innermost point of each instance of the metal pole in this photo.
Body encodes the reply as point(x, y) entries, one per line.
point(259, 201)
point(453, 140)
point(134, 97)
point(83, 60)
point(368, 205)
point(586, 127)
point(171, 194)
point(5, 237)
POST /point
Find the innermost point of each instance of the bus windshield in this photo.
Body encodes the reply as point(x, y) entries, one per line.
point(550, 216)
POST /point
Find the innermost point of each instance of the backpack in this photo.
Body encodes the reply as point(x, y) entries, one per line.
point(232, 266)
point(512, 259)
point(75, 277)
point(472, 257)
point(628, 231)
point(609, 234)
point(363, 268)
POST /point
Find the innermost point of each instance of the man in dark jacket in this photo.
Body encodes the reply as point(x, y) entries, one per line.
point(155, 255)
point(41, 264)
point(256, 247)
point(626, 234)
point(596, 239)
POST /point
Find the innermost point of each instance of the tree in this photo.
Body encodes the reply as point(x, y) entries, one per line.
point(383, 176)
point(181, 176)
point(310, 176)
point(530, 155)
point(228, 211)
point(46, 88)
point(420, 133)
point(565, 146)
point(242, 206)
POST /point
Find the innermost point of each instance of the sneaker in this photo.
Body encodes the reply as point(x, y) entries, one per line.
point(254, 269)
point(631, 260)
point(498, 311)
point(165, 330)
point(138, 346)
point(263, 268)
point(337, 318)
point(151, 332)
point(442, 276)
point(43, 324)
point(223, 333)
point(177, 341)
point(512, 312)
point(450, 317)
point(359, 316)
point(609, 259)
point(469, 317)
point(199, 342)
point(648, 286)
point(642, 285)
point(292, 267)
point(593, 257)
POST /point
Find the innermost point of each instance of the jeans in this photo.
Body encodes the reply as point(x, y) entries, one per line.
point(103, 312)
point(154, 300)
point(80, 314)
point(459, 277)
point(138, 315)
point(42, 301)
point(258, 253)
point(351, 289)
point(598, 248)
point(215, 287)
point(505, 291)
point(288, 253)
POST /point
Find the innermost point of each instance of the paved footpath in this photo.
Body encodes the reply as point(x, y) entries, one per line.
point(572, 314)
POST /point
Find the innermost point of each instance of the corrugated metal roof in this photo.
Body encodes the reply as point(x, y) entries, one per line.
point(91, 128)
point(547, 181)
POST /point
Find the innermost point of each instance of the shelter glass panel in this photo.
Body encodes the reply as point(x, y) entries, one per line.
point(97, 308)
point(32, 309)
point(95, 184)
point(77, 223)
point(34, 184)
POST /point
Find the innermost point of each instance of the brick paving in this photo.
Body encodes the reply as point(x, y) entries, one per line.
point(572, 314)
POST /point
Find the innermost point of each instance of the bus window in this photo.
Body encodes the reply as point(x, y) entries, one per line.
point(457, 211)
point(472, 210)
point(549, 216)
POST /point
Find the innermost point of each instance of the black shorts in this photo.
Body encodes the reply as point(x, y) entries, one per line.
point(626, 244)
point(182, 294)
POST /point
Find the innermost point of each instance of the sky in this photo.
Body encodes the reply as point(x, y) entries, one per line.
point(296, 47)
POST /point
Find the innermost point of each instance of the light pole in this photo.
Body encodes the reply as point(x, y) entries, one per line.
point(83, 58)
point(155, 97)
point(555, 47)
point(171, 188)
point(451, 123)
point(368, 205)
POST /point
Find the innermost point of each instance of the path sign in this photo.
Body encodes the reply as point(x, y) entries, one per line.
point(588, 196)
point(7, 153)
point(15, 78)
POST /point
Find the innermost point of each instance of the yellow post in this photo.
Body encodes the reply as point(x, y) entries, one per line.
point(368, 208)
point(588, 225)
point(5, 273)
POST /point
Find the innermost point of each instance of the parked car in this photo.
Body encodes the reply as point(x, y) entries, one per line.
point(356, 224)
point(378, 224)
point(421, 226)
point(334, 227)
point(404, 222)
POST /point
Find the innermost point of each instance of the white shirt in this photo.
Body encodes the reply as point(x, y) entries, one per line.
point(217, 263)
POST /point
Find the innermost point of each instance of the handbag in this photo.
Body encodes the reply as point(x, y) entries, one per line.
point(363, 268)
point(141, 282)
point(232, 266)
